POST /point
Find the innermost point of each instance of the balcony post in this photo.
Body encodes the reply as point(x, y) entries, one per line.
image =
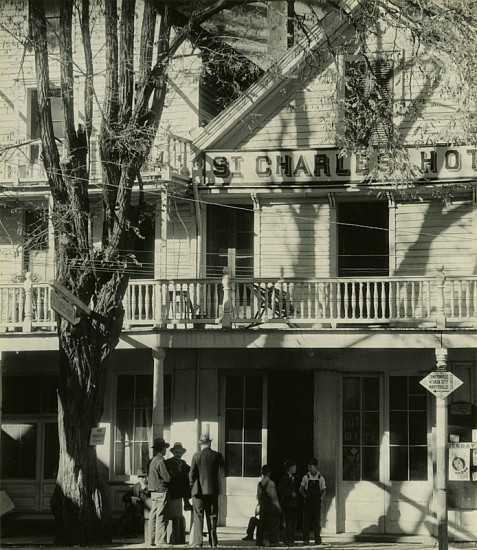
point(158, 356)
point(27, 320)
point(226, 316)
point(440, 282)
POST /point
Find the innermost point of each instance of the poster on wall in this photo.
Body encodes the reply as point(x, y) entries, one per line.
point(459, 467)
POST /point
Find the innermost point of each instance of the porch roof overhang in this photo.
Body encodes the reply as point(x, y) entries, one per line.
point(262, 338)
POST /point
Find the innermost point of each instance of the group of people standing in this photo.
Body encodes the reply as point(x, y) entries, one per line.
point(273, 511)
point(172, 482)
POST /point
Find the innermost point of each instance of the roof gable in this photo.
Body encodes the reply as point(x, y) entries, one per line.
point(231, 127)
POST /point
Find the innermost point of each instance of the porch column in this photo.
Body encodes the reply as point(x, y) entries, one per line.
point(158, 356)
point(441, 446)
point(2, 357)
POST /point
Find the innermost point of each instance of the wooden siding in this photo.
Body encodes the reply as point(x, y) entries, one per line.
point(181, 241)
point(295, 239)
point(431, 234)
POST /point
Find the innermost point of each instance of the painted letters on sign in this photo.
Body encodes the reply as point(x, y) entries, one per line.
point(319, 166)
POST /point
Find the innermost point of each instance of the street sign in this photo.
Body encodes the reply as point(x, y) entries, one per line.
point(441, 384)
point(63, 308)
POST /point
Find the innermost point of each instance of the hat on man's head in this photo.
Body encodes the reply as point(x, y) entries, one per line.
point(205, 438)
point(160, 444)
point(177, 445)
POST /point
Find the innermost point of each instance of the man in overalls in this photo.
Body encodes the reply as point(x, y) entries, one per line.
point(313, 489)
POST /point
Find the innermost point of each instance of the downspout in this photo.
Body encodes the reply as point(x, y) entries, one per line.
point(197, 395)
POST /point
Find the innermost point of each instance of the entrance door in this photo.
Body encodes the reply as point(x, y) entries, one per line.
point(290, 421)
point(230, 240)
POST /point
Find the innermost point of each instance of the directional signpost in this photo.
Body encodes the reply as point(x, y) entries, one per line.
point(441, 384)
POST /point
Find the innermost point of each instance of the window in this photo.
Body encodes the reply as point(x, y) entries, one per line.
point(361, 429)
point(52, 16)
point(230, 240)
point(133, 432)
point(56, 117)
point(243, 425)
point(408, 428)
point(368, 101)
point(20, 436)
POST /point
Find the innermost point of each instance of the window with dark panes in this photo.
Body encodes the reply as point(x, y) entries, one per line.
point(361, 428)
point(243, 425)
point(20, 437)
point(133, 431)
point(368, 100)
point(54, 99)
point(407, 428)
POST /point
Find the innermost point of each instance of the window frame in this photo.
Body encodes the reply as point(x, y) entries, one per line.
point(263, 440)
point(168, 412)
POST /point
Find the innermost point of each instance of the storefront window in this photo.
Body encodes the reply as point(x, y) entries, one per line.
point(361, 429)
point(133, 432)
point(408, 428)
point(243, 425)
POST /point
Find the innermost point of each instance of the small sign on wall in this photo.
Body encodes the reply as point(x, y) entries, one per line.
point(97, 436)
point(459, 464)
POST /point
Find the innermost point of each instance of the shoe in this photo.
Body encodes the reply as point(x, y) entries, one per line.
point(319, 541)
point(248, 537)
point(306, 543)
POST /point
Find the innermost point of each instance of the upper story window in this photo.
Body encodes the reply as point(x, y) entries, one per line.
point(368, 96)
point(52, 15)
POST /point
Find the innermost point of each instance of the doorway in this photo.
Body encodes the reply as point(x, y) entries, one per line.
point(290, 422)
point(230, 236)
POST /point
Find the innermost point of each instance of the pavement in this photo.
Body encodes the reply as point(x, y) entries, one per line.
point(231, 537)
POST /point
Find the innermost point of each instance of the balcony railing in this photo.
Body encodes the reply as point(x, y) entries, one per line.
point(170, 155)
point(332, 302)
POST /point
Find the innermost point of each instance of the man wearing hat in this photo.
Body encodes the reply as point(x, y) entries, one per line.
point(178, 490)
point(158, 480)
point(204, 482)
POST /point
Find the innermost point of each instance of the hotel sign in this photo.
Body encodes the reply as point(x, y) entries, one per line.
point(327, 166)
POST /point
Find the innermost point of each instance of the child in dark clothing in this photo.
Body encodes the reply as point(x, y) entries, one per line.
point(269, 509)
point(289, 500)
point(313, 490)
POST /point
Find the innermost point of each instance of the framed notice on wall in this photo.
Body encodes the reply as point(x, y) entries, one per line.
point(459, 464)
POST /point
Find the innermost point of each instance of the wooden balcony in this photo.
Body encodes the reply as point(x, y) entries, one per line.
point(428, 302)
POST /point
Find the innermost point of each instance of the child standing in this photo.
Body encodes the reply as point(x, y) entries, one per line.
point(289, 500)
point(269, 509)
point(313, 489)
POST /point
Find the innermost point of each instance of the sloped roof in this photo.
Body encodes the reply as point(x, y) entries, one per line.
point(289, 67)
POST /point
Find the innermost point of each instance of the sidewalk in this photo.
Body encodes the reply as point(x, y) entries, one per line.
point(231, 537)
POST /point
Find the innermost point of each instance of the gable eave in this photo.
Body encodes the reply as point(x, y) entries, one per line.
point(289, 65)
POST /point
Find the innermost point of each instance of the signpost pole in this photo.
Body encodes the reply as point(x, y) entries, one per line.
point(441, 445)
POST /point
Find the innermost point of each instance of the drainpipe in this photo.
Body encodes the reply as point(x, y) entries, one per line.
point(197, 397)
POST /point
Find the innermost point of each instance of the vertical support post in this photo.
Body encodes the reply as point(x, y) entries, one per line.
point(27, 285)
point(440, 281)
point(226, 316)
point(2, 356)
point(158, 356)
point(441, 455)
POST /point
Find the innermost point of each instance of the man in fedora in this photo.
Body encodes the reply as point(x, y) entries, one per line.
point(179, 491)
point(204, 482)
point(158, 480)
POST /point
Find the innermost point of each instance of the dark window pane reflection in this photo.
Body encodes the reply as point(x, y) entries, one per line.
point(371, 394)
point(370, 430)
point(398, 428)
point(234, 392)
point(418, 463)
point(370, 463)
point(351, 464)
point(417, 428)
point(252, 460)
point(233, 460)
point(253, 426)
point(351, 394)
point(351, 428)
point(233, 425)
point(398, 393)
point(253, 392)
point(398, 463)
